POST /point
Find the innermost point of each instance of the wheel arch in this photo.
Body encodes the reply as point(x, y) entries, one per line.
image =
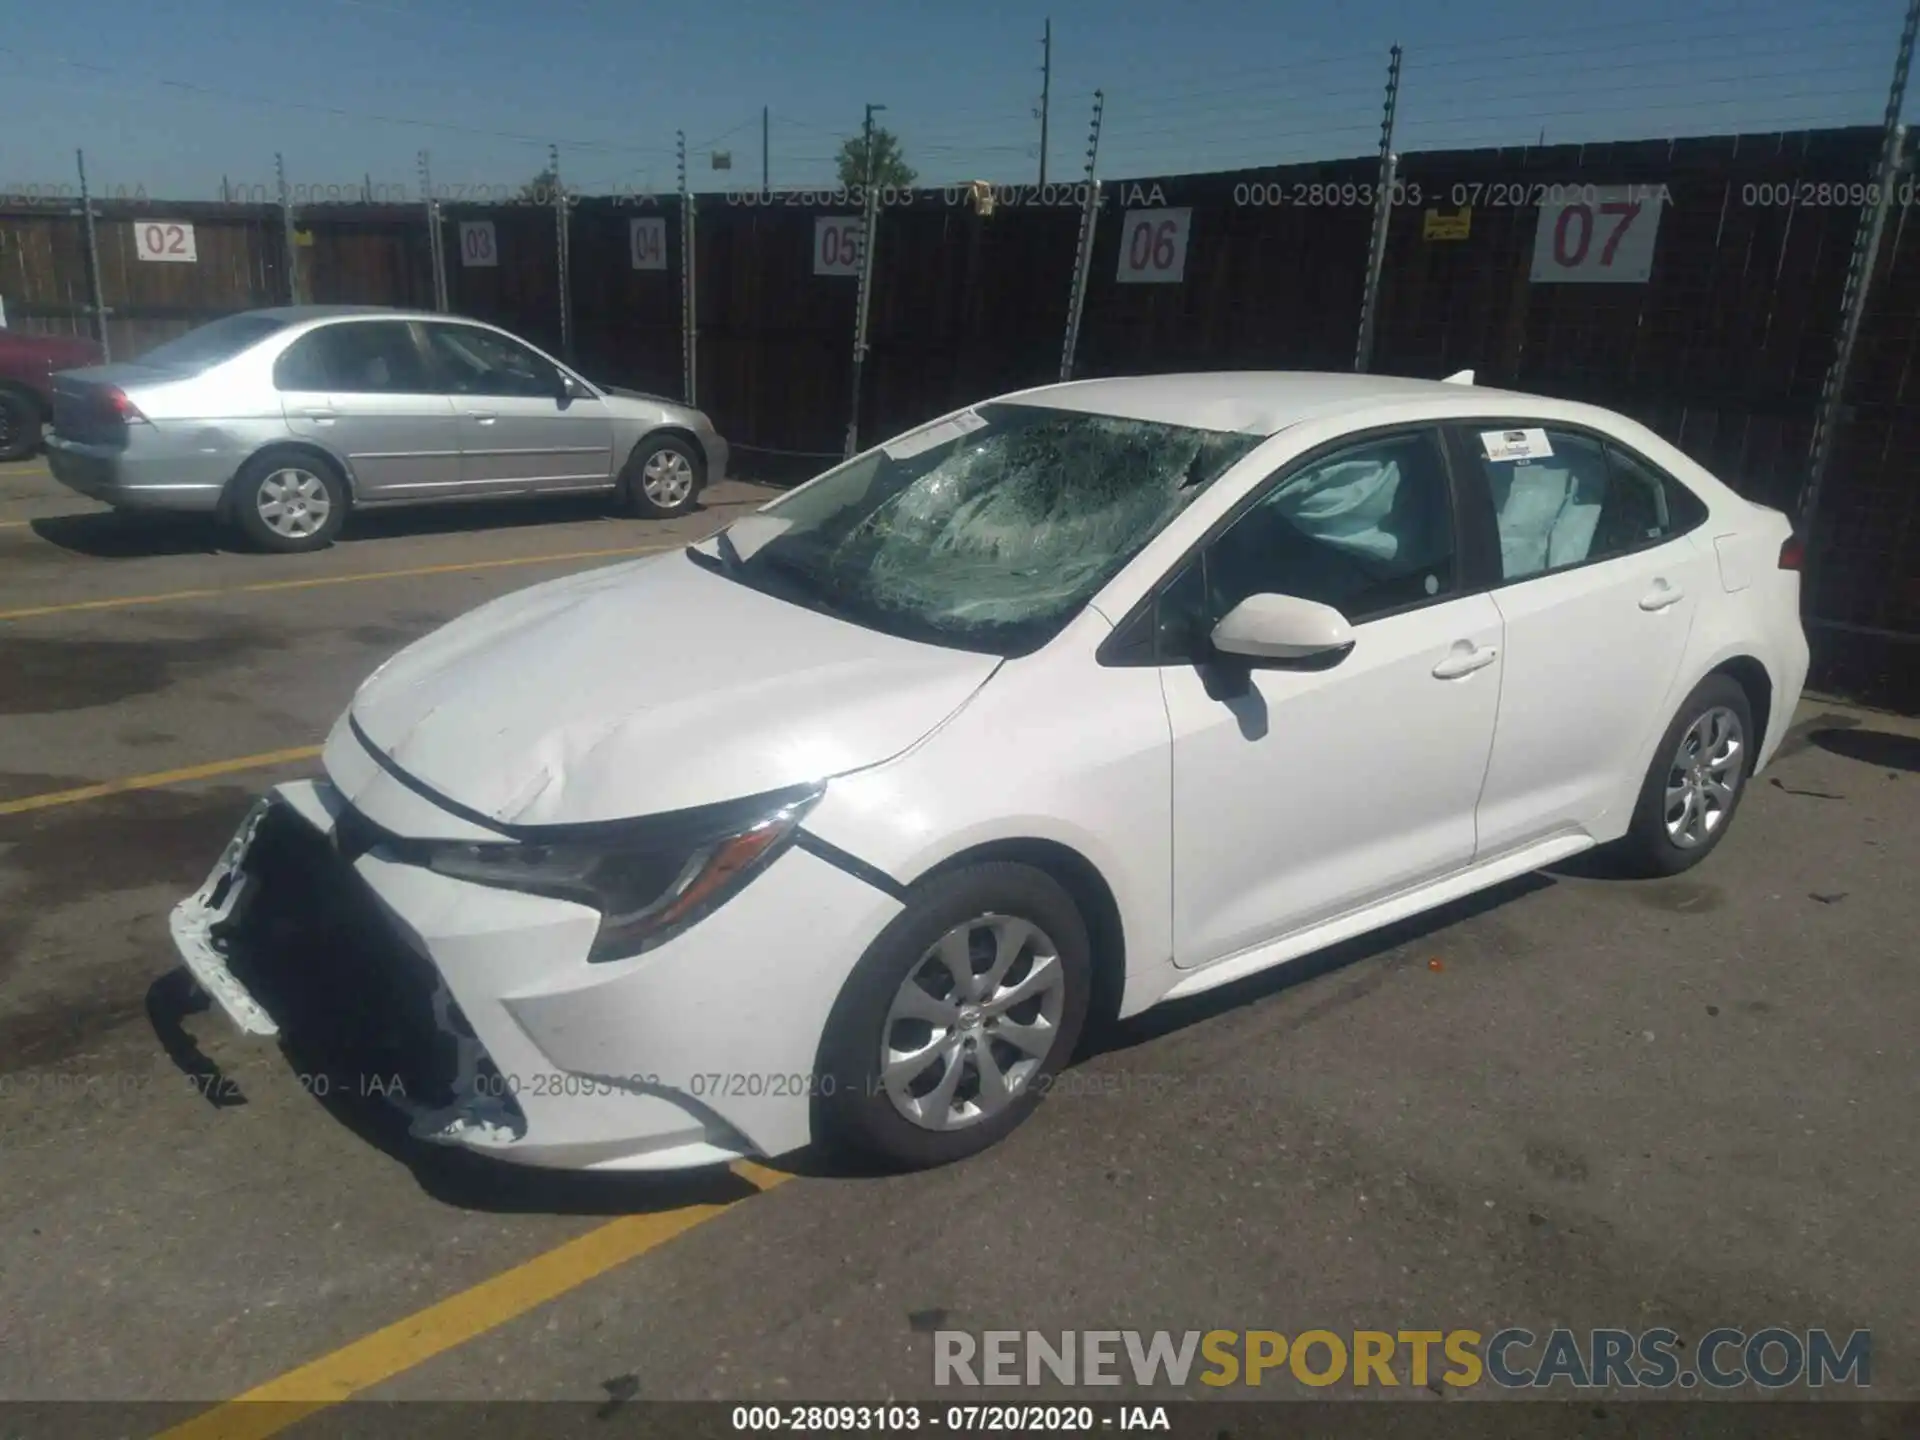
point(289, 448)
point(1091, 895)
point(678, 432)
point(1752, 677)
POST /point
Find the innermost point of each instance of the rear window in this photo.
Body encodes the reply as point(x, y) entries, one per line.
point(211, 344)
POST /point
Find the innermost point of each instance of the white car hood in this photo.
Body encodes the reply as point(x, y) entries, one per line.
point(646, 687)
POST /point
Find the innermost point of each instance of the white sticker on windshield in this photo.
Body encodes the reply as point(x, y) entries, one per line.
point(918, 442)
point(1515, 444)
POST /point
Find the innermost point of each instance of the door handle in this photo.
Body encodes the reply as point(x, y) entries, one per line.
point(485, 417)
point(324, 415)
point(1661, 596)
point(1465, 659)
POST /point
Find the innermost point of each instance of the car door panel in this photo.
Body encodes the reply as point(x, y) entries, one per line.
point(516, 430)
point(359, 389)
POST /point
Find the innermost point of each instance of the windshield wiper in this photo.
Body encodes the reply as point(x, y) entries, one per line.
point(727, 562)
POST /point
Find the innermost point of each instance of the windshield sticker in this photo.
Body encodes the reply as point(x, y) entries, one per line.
point(943, 432)
point(1515, 444)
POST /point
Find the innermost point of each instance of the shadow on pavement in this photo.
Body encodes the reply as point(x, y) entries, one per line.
point(1871, 747)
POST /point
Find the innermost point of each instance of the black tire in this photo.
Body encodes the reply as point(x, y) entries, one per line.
point(19, 424)
point(1648, 848)
point(244, 500)
point(854, 1115)
point(634, 478)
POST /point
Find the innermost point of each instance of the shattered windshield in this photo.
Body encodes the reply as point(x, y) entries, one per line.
point(988, 532)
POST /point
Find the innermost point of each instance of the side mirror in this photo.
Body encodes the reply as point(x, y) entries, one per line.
point(1283, 628)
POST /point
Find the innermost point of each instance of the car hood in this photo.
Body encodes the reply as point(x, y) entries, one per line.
point(647, 687)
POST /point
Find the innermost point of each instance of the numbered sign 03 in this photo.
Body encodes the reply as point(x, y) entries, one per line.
point(1153, 247)
point(164, 240)
point(836, 244)
point(1604, 236)
point(477, 243)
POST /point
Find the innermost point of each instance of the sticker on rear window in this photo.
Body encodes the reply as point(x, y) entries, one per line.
point(1515, 444)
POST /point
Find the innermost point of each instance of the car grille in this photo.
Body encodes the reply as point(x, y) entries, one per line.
point(354, 1000)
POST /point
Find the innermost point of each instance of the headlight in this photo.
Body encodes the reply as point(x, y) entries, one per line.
point(650, 879)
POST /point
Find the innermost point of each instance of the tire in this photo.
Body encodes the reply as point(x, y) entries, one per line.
point(859, 1114)
point(19, 424)
point(1667, 836)
point(663, 477)
point(311, 492)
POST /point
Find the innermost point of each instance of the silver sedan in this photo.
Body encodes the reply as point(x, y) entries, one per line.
point(282, 420)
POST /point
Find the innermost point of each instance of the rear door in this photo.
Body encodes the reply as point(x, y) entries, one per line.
point(361, 389)
point(1598, 584)
point(520, 426)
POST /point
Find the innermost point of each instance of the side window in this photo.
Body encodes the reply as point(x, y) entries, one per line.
point(1366, 530)
point(1562, 499)
point(479, 362)
point(375, 357)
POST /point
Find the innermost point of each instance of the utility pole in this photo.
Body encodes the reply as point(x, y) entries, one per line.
point(437, 250)
point(1382, 214)
point(765, 187)
point(93, 260)
point(868, 225)
point(1046, 91)
point(689, 351)
point(560, 253)
point(286, 226)
point(1083, 254)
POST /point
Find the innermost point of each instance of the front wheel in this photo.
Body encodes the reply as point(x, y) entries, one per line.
point(289, 503)
point(954, 1023)
point(19, 424)
point(1694, 785)
point(663, 477)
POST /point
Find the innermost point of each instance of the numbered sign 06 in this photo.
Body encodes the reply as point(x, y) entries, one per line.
point(165, 240)
point(477, 243)
point(1605, 235)
point(836, 244)
point(1153, 247)
point(647, 239)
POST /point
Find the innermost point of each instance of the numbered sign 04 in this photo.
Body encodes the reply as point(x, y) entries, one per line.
point(164, 240)
point(1153, 247)
point(647, 241)
point(1604, 236)
point(477, 243)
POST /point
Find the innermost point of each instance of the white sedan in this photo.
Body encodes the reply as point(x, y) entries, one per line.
point(838, 826)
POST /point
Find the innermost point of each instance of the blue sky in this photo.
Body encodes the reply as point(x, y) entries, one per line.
point(1190, 84)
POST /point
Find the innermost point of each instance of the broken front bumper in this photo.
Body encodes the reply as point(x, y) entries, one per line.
point(478, 1012)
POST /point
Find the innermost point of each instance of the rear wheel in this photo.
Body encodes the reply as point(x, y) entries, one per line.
point(951, 1027)
point(1694, 785)
point(288, 502)
point(663, 477)
point(19, 424)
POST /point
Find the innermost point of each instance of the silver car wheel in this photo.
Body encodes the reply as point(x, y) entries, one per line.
point(667, 478)
point(1704, 776)
point(294, 503)
point(972, 1022)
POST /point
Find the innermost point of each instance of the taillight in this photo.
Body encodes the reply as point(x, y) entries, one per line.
point(124, 409)
point(1792, 553)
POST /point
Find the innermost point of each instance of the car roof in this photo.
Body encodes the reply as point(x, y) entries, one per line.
point(294, 314)
point(1254, 402)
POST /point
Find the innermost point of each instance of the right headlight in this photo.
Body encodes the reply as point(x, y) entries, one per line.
point(651, 878)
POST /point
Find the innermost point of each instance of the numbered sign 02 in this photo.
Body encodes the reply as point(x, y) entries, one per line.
point(477, 243)
point(164, 240)
point(1604, 236)
point(1153, 247)
point(836, 244)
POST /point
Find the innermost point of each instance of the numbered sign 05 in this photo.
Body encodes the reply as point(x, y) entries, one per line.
point(1153, 247)
point(164, 240)
point(647, 239)
point(1605, 236)
point(477, 243)
point(836, 244)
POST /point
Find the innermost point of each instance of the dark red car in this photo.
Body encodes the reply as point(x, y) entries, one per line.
point(27, 366)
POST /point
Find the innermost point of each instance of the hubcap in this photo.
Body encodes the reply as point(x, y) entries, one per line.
point(1704, 776)
point(294, 503)
point(972, 1022)
point(667, 478)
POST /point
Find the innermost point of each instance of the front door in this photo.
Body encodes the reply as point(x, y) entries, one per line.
point(520, 427)
point(1302, 794)
point(360, 388)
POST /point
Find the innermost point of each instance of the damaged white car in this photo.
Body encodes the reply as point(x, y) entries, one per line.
point(1066, 704)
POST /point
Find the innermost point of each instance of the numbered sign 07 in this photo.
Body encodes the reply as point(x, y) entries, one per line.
point(477, 243)
point(1153, 247)
point(836, 244)
point(165, 240)
point(1604, 235)
point(647, 239)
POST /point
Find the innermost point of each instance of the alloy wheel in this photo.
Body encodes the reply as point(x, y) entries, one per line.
point(667, 478)
point(1704, 777)
point(294, 503)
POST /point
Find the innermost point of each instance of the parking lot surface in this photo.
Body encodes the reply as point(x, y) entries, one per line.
point(1575, 1101)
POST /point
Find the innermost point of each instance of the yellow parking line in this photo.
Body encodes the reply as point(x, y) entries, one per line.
point(157, 779)
point(354, 1368)
point(121, 602)
point(13, 524)
point(36, 470)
